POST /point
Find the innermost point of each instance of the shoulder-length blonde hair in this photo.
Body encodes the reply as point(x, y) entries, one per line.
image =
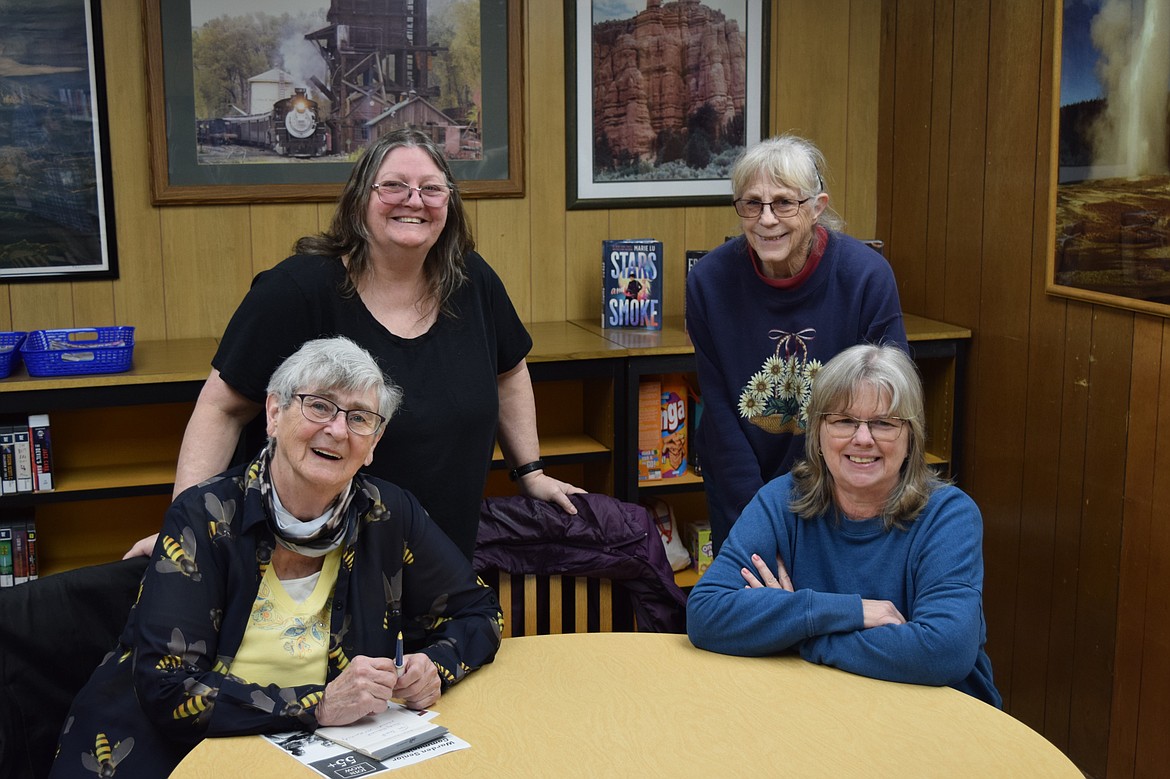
point(893, 374)
point(349, 236)
point(786, 161)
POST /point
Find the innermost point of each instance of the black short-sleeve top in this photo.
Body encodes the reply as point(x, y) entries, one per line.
point(439, 444)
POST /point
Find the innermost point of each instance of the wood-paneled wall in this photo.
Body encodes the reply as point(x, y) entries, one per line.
point(1066, 401)
point(949, 163)
point(183, 269)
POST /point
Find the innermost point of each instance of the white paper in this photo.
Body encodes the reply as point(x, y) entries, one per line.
point(332, 760)
point(373, 733)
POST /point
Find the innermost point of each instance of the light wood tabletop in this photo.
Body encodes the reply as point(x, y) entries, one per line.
point(641, 704)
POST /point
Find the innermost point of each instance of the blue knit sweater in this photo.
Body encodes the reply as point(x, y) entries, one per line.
point(932, 572)
point(757, 347)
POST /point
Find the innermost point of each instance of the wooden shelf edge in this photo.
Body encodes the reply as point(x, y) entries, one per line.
point(562, 447)
point(115, 477)
point(688, 479)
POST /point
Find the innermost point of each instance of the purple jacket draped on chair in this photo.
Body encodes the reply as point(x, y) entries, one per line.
point(607, 538)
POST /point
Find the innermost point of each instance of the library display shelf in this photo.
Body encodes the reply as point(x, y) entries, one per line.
point(116, 436)
point(160, 372)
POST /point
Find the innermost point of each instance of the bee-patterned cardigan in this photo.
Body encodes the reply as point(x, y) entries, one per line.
point(166, 685)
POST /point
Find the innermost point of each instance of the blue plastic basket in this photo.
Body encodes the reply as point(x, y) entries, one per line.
point(10, 352)
point(78, 351)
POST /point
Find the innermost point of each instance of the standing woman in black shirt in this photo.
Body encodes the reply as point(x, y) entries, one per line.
point(397, 273)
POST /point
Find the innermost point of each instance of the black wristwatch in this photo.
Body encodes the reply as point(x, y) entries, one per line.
point(527, 468)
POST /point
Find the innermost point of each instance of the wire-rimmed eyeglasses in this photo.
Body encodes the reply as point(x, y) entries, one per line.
point(394, 193)
point(751, 209)
point(323, 411)
point(880, 428)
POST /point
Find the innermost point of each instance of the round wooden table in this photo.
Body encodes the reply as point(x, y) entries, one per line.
point(641, 704)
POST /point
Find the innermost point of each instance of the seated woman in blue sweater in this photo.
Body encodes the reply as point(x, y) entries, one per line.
point(860, 557)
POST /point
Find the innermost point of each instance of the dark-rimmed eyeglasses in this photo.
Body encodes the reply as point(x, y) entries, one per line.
point(750, 209)
point(394, 193)
point(323, 411)
point(880, 428)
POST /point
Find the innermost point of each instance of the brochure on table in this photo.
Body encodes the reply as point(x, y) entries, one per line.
point(336, 761)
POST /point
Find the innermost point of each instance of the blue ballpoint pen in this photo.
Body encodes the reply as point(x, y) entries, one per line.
point(398, 655)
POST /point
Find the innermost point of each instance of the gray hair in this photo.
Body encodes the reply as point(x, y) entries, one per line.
point(786, 161)
point(892, 373)
point(333, 364)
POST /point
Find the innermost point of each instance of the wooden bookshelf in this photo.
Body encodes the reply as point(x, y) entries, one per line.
point(116, 437)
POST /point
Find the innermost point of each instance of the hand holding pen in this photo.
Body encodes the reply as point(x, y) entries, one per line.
point(418, 684)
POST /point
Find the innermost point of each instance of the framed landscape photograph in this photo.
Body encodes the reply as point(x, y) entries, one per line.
point(56, 199)
point(661, 98)
point(273, 100)
point(1111, 243)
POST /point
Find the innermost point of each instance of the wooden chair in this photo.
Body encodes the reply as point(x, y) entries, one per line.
point(591, 571)
point(541, 605)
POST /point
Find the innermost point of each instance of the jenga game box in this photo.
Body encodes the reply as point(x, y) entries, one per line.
point(649, 438)
point(662, 427)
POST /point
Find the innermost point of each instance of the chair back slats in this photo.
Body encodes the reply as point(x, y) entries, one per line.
point(581, 600)
point(555, 606)
point(605, 605)
point(539, 605)
point(504, 590)
point(530, 612)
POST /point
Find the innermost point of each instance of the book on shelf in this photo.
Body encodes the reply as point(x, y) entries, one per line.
point(6, 570)
point(692, 258)
point(631, 271)
point(19, 552)
point(42, 452)
point(7, 460)
point(31, 550)
point(386, 733)
point(24, 465)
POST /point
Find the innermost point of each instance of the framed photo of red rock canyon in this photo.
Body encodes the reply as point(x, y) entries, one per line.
point(661, 97)
point(1111, 239)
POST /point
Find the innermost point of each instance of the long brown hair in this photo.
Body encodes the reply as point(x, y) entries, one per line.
point(348, 235)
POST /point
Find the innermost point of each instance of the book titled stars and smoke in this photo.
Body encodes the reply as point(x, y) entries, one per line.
point(631, 273)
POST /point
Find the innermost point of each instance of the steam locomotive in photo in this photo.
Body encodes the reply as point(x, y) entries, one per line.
point(293, 128)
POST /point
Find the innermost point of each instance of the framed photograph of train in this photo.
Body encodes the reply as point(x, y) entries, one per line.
point(255, 101)
point(56, 198)
point(661, 98)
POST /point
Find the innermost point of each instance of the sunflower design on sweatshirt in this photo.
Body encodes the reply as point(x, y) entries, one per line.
point(776, 397)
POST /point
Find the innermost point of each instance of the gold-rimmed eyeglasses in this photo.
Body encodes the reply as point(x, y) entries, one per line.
point(393, 193)
point(323, 411)
point(880, 428)
point(751, 209)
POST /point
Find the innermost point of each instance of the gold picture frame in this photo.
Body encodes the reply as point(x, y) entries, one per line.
point(1110, 198)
